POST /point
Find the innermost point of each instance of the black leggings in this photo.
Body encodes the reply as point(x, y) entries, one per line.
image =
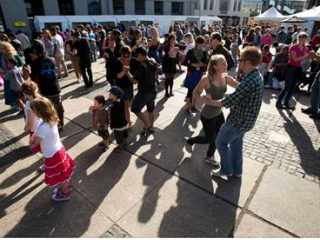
point(211, 129)
point(169, 82)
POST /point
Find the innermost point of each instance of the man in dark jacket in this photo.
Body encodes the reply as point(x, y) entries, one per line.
point(43, 73)
point(218, 48)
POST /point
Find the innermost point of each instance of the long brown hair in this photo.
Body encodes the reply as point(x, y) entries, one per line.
point(211, 71)
point(44, 109)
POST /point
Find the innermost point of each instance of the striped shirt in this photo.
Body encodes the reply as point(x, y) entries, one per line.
point(245, 102)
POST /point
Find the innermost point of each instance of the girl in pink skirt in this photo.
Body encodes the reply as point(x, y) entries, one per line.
point(58, 164)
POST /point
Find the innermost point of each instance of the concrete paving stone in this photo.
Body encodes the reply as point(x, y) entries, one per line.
point(178, 209)
point(114, 182)
point(77, 105)
point(69, 129)
point(82, 118)
point(251, 227)
point(19, 183)
point(293, 205)
point(42, 217)
point(234, 190)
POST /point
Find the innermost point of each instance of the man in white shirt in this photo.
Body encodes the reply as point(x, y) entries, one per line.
point(24, 40)
point(58, 52)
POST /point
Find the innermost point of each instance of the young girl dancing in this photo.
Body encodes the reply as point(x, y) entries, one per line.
point(58, 164)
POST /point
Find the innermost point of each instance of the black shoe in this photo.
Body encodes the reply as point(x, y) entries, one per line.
point(279, 105)
point(167, 95)
point(171, 94)
point(308, 111)
point(315, 116)
point(287, 106)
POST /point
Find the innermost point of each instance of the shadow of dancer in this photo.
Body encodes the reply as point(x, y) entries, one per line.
point(197, 213)
point(45, 218)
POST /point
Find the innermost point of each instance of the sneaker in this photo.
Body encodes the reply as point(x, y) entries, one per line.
point(279, 105)
point(267, 86)
point(211, 161)
point(315, 116)
point(219, 174)
point(308, 111)
point(195, 109)
point(189, 112)
point(237, 175)
point(59, 196)
point(79, 80)
point(41, 168)
point(56, 190)
point(187, 144)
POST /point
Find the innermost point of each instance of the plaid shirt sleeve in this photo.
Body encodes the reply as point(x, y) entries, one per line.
point(238, 95)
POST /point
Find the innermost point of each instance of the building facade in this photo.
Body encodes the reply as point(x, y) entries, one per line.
point(20, 14)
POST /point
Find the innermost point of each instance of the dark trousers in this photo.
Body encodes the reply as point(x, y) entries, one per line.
point(57, 103)
point(211, 129)
point(292, 76)
point(85, 66)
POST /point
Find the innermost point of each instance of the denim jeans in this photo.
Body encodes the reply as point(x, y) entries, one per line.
point(229, 144)
point(315, 94)
point(292, 76)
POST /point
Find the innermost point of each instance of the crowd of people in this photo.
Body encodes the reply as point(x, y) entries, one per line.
point(263, 55)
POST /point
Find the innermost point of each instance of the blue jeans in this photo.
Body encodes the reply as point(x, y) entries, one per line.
point(229, 144)
point(292, 76)
point(315, 94)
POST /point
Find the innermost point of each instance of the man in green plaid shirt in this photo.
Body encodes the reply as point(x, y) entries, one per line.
point(244, 104)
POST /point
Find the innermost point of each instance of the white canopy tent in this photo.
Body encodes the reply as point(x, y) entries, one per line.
point(312, 14)
point(271, 15)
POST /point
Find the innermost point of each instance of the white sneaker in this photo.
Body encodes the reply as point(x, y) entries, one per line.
point(187, 145)
point(211, 161)
point(220, 174)
point(79, 80)
point(41, 168)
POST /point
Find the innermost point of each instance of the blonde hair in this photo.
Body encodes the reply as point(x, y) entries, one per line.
point(49, 34)
point(8, 50)
point(303, 34)
point(44, 109)
point(189, 37)
point(30, 88)
point(154, 32)
point(211, 71)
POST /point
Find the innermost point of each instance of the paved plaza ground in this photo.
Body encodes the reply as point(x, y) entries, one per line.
point(156, 188)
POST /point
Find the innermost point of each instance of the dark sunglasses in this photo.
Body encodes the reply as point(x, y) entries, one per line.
point(303, 36)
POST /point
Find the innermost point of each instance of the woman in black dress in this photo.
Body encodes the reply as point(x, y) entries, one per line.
point(169, 62)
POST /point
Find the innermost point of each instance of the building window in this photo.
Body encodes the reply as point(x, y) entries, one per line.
point(224, 4)
point(205, 4)
point(211, 4)
point(66, 7)
point(34, 7)
point(140, 7)
point(94, 7)
point(118, 7)
point(177, 8)
point(158, 8)
point(235, 5)
point(239, 6)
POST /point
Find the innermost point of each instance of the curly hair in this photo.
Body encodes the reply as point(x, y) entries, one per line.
point(7, 49)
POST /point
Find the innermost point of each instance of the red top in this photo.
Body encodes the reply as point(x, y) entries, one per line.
point(266, 57)
point(315, 40)
point(300, 51)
